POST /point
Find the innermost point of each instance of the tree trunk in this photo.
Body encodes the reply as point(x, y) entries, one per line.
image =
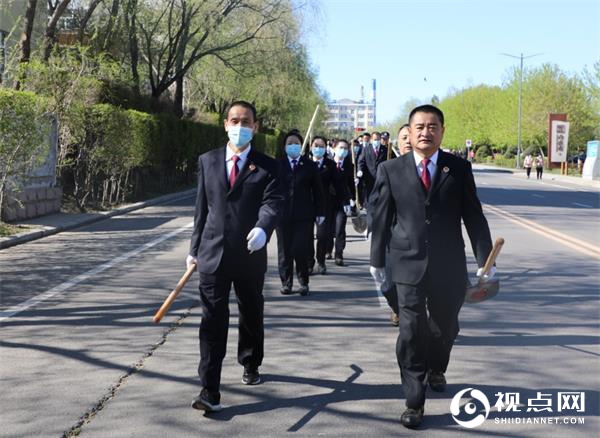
point(114, 12)
point(134, 50)
point(26, 35)
point(50, 34)
point(178, 98)
point(84, 21)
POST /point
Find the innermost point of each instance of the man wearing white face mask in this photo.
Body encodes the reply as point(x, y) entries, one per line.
point(304, 204)
point(238, 205)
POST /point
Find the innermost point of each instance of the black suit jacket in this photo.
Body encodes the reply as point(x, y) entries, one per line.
point(347, 177)
point(423, 230)
point(304, 196)
point(368, 162)
point(333, 184)
point(224, 216)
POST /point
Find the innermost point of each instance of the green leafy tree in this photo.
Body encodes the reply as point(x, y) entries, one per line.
point(23, 139)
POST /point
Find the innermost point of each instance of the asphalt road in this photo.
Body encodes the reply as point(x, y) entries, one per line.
point(79, 353)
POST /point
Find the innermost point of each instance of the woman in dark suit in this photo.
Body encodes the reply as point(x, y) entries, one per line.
point(304, 203)
point(344, 199)
point(335, 193)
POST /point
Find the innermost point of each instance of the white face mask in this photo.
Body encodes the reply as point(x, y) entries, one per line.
point(239, 135)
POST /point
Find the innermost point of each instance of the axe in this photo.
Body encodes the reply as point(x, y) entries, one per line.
point(167, 303)
point(484, 290)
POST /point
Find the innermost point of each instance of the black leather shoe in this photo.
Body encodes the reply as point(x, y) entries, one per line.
point(207, 401)
point(285, 290)
point(412, 418)
point(329, 256)
point(322, 269)
point(339, 261)
point(303, 290)
point(437, 381)
point(250, 376)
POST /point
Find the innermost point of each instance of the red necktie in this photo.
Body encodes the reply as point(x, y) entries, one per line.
point(234, 170)
point(425, 177)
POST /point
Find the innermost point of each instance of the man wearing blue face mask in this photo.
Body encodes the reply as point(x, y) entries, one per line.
point(304, 204)
point(334, 193)
point(238, 205)
point(372, 156)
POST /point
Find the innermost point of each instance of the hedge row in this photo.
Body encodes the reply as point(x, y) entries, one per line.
point(109, 154)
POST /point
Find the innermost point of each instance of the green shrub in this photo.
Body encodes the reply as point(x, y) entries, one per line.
point(483, 152)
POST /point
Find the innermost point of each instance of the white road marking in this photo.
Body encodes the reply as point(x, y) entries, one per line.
point(564, 239)
point(582, 205)
point(83, 277)
point(535, 195)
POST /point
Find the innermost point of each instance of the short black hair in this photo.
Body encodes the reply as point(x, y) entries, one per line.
point(406, 125)
point(241, 103)
point(376, 133)
point(340, 140)
point(318, 137)
point(366, 133)
point(429, 109)
point(295, 133)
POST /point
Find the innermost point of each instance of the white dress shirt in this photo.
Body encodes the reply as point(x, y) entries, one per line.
point(297, 160)
point(240, 164)
point(432, 165)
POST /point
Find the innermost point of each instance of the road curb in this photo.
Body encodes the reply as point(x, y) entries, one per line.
point(44, 231)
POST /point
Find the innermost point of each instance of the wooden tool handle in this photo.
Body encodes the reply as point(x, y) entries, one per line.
point(167, 303)
point(493, 254)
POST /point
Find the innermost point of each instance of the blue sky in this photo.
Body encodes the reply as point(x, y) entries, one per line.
point(451, 43)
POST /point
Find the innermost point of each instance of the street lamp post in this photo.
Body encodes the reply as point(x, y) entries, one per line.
point(520, 103)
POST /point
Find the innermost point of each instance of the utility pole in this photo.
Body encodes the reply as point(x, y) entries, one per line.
point(520, 103)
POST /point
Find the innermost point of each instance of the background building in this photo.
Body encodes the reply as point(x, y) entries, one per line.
point(347, 115)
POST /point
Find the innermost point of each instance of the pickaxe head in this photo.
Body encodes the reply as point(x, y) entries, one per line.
point(482, 290)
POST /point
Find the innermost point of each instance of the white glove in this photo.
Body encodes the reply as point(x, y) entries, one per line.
point(356, 181)
point(352, 203)
point(319, 220)
point(256, 239)
point(190, 260)
point(359, 174)
point(347, 209)
point(378, 274)
point(486, 277)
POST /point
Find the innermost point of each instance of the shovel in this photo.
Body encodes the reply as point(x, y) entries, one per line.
point(359, 222)
point(484, 290)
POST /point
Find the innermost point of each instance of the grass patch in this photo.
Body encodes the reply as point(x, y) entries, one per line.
point(9, 230)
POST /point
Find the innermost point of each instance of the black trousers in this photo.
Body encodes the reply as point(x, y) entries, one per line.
point(539, 171)
point(293, 246)
point(340, 232)
point(428, 315)
point(214, 296)
point(325, 233)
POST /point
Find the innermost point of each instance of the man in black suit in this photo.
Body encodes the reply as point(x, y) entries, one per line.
point(238, 204)
point(421, 199)
point(373, 154)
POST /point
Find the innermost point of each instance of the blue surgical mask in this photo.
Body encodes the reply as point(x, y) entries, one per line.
point(292, 150)
point(318, 151)
point(356, 149)
point(376, 143)
point(239, 135)
point(341, 153)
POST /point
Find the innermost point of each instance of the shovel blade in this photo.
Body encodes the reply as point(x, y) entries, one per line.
point(482, 291)
point(359, 223)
